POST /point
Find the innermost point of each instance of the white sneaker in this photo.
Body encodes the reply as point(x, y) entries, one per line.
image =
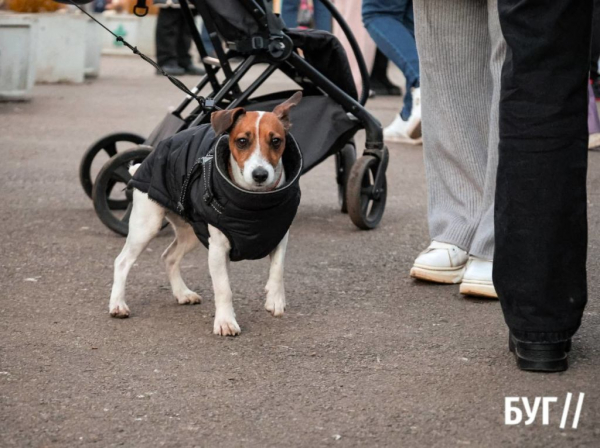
point(594, 141)
point(440, 263)
point(477, 280)
point(409, 131)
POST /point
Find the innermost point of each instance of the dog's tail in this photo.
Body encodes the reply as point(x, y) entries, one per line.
point(134, 168)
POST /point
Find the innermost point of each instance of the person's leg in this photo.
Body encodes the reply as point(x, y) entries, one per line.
point(454, 48)
point(541, 209)
point(353, 17)
point(184, 42)
point(289, 12)
point(379, 81)
point(388, 23)
point(322, 16)
point(482, 245)
point(593, 121)
point(595, 42)
point(477, 279)
point(208, 46)
point(166, 36)
point(594, 69)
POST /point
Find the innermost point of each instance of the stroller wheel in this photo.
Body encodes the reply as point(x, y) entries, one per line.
point(343, 164)
point(365, 204)
point(110, 145)
point(112, 182)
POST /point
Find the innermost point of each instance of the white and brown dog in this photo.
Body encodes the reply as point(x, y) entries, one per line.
point(256, 143)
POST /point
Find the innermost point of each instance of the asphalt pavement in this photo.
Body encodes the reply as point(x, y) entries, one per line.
point(364, 355)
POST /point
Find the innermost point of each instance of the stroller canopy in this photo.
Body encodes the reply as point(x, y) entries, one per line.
point(236, 21)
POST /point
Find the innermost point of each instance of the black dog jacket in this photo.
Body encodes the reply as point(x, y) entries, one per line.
point(188, 174)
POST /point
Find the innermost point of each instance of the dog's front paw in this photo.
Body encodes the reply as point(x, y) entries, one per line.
point(188, 298)
point(275, 303)
point(225, 325)
point(120, 310)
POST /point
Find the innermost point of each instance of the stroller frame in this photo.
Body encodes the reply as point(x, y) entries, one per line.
point(364, 182)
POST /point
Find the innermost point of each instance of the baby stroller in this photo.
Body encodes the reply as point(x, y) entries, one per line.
point(324, 123)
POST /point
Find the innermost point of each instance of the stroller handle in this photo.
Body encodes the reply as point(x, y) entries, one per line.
point(362, 66)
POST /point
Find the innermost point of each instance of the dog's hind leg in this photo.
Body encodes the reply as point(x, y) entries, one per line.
point(275, 302)
point(185, 241)
point(144, 223)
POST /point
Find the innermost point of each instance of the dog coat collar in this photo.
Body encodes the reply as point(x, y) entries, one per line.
point(216, 162)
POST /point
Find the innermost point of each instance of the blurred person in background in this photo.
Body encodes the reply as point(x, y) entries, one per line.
point(352, 16)
point(291, 9)
point(593, 121)
point(99, 6)
point(173, 40)
point(208, 45)
point(381, 85)
point(594, 72)
point(391, 25)
point(375, 60)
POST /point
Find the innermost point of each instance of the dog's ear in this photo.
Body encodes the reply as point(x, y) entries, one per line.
point(283, 110)
point(223, 120)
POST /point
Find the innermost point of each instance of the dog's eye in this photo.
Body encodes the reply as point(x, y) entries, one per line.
point(241, 142)
point(276, 142)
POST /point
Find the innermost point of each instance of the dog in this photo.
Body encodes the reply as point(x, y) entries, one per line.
point(256, 142)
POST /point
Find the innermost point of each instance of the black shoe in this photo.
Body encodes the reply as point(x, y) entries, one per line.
point(235, 56)
point(383, 87)
point(540, 357)
point(170, 68)
point(194, 70)
point(596, 89)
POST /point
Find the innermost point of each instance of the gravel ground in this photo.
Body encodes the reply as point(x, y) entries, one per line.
point(364, 356)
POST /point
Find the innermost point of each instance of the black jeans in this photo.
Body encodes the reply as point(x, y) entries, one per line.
point(594, 72)
point(541, 209)
point(173, 38)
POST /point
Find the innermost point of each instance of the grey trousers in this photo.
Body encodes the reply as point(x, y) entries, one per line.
point(461, 51)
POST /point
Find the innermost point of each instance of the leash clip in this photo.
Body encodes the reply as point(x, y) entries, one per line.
point(209, 104)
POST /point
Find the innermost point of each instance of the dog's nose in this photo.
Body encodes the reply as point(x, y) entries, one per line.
point(260, 175)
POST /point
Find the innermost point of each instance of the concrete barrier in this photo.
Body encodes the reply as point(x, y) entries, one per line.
point(61, 48)
point(124, 25)
point(138, 31)
point(18, 37)
point(93, 48)
point(147, 39)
